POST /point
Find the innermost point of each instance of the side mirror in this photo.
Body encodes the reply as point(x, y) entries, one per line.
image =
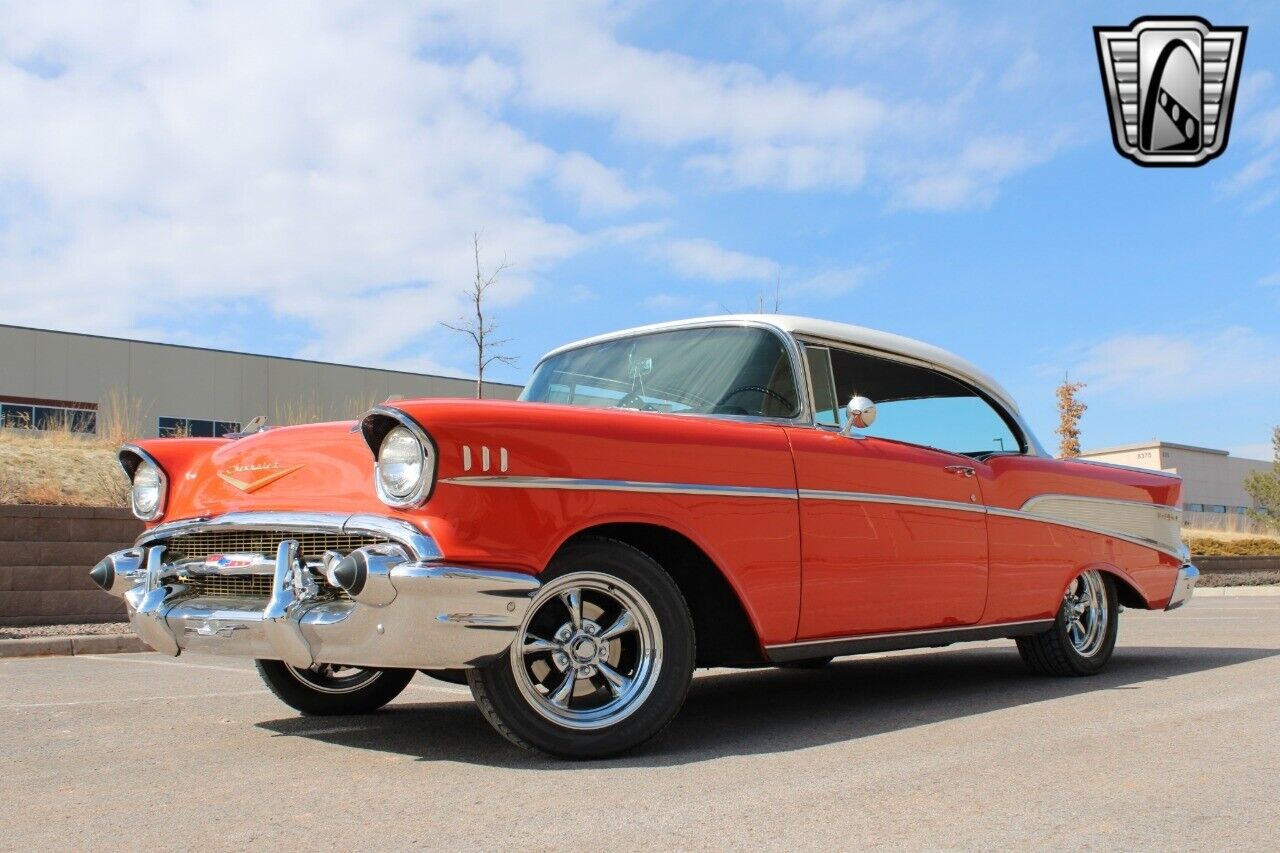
point(862, 414)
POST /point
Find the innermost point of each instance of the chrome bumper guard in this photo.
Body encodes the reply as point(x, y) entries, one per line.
point(1183, 586)
point(428, 615)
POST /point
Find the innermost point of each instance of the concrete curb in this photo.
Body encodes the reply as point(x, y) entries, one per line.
point(1234, 591)
point(81, 644)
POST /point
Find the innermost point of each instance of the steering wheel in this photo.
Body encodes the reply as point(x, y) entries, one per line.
point(633, 401)
point(760, 389)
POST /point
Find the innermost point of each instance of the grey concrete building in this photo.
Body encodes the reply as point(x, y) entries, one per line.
point(1213, 493)
point(48, 379)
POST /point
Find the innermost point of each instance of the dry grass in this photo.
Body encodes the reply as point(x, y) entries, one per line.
point(308, 410)
point(59, 468)
point(1217, 546)
point(1224, 524)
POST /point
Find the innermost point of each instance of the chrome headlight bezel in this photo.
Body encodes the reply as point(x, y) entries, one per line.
point(426, 480)
point(134, 459)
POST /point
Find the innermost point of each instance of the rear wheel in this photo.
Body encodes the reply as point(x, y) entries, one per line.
point(328, 689)
point(602, 660)
point(1083, 635)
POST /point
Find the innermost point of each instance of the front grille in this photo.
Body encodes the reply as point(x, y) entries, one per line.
point(311, 546)
point(228, 586)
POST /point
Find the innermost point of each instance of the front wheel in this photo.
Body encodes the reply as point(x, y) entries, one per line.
point(1083, 635)
point(602, 660)
point(327, 689)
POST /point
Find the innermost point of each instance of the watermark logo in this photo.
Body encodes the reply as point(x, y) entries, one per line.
point(1171, 86)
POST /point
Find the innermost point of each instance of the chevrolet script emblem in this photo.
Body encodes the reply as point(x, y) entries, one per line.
point(1170, 85)
point(250, 478)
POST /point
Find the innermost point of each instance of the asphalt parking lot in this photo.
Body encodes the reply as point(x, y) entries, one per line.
point(1176, 746)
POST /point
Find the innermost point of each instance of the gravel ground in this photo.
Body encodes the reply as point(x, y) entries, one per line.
point(27, 631)
point(1239, 578)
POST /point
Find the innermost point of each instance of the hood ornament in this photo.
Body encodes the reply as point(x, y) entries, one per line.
point(250, 478)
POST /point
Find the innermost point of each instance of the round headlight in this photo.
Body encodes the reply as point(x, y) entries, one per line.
point(401, 463)
point(147, 490)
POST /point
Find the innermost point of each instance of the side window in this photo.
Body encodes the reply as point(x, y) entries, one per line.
point(922, 406)
point(826, 403)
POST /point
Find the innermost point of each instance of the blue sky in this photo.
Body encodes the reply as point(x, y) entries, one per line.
point(304, 181)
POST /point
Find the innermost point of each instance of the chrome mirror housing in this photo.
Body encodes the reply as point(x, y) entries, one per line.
point(861, 412)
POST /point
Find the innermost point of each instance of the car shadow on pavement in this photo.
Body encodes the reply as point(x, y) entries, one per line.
point(761, 711)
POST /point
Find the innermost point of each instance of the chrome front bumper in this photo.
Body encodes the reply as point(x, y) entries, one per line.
point(426, 614)
point(1183, 586)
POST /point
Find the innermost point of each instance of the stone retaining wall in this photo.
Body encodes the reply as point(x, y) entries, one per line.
point(46, 553)
point(1236, 564)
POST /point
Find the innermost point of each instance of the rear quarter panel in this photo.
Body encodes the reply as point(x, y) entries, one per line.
point(1033, 561)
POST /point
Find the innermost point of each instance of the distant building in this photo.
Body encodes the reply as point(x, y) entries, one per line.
point(51, 379)
point(1212, 480)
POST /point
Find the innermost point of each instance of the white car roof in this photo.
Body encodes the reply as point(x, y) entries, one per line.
point(844, 333)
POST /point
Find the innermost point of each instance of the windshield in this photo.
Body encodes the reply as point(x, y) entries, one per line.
point(713, 371)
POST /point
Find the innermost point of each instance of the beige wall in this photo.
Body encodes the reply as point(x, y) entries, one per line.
point(187, 382)
point(1210, 477)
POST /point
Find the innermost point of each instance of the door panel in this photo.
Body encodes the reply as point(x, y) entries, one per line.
point(874, 566)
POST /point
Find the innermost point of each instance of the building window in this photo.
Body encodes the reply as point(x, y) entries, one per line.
point(194, 428)
point(1194, 507)
point(1242, 510)
point(79, 418)
point(1218, 508)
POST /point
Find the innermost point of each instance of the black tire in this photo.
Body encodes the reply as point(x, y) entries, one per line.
point(510, 701)
point(1052, 652)
point(807, 663)
point(315, 693)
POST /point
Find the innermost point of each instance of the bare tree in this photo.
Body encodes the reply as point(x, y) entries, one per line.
point(1070, 410)
point(480, 330)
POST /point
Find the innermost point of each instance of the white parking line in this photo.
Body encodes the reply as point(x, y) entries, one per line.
point(16, 706)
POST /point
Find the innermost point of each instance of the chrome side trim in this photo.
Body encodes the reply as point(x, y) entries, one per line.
point(875, 498)
point(1155, 471)
point(1121, 519)
point(864, 643)
point(420, 545)
point(574, 483)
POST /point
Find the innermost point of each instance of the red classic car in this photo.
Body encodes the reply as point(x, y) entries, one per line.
point(668, 497)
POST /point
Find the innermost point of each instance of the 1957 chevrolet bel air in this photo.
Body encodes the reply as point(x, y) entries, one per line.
point(731, 491)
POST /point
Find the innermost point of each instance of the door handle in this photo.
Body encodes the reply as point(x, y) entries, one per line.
point(962, 470)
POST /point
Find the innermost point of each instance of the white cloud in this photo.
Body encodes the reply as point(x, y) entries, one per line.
point(1160, 367)
point(970, 178)
point(665, 301)
point(835, 281)
point(744, 127)
point(597, 188)
point(278, 152)
point(704, 259)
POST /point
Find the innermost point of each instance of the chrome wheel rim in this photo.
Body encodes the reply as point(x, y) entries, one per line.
point(1085, 613)
point(333, 678)
point(589, 651)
